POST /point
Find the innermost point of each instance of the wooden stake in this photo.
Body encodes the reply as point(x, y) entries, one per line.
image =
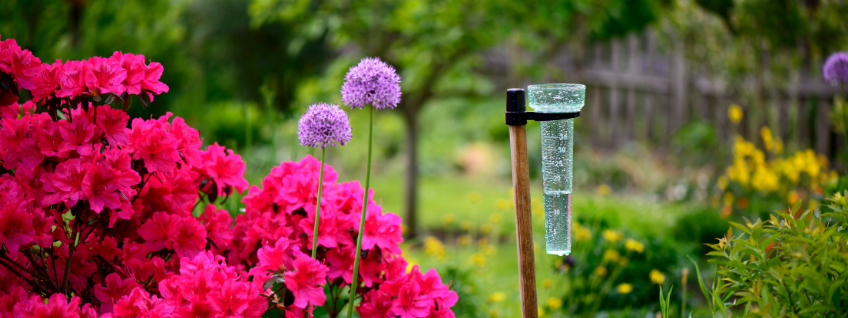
point(523, 222)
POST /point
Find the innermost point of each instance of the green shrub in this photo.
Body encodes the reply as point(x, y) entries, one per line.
point(793, 264)
point(610, 270)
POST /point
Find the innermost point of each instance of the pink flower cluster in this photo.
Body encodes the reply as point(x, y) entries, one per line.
point(97, 213)
point(117, 74)
point(280, 217)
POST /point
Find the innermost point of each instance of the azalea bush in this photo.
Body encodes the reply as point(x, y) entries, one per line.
point(96, 213)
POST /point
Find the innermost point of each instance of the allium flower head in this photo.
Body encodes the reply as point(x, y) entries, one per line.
point(835, 69)
point(371, 82)
point(323, 125)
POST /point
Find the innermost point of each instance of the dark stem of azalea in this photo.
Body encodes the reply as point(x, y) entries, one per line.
point(69, 261)
point(355, 282)
point(318, 206)
point(35, 286)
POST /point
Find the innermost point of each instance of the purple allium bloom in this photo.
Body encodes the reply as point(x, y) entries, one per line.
point(323, 125)
point(371, 82)
point(835, 69)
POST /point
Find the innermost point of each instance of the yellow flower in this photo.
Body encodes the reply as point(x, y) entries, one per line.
point(493, 313)
point(768, 139)
point(447, 219)
point(465, 225)
point(623, 261)
point(410, 263)
point(495, 218)
point(581, 233)
point(474, 196)
point(496, 297)
point(547, 283)
point(624, 288)
point(541, 312)
point(735, 113)
point(613, 235)
point(601, 271)
point(478, 259)
point(554, 303)
point(727, 198)
point(634, 245)
point(433, 247)
point(722, 183)
point(464, 240)
point(611, 255)
point(657, 277)
point(502, 204)
point(488, 250)
point(603, 189)
point(485, 229)
point(483, 242)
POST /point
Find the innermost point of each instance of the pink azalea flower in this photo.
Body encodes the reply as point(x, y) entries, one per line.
point(376, 304)
point(225, 168)
point(327, 227)
point(78, 133)
point(65, 184)
point(341, 263)
point(410, 303)
point(25, 67)
point(151, 79)
point(50, 141)
point(104, 76)
point(381, 230)
point(139, 303)
point(101, 190)
point(15, 226)
point(158, 230)
point(112, 124)
point(306, 281)
point(72, 79)
point(7, 47)
point(18, 142)
point(218, 225)
point(48, 81)
point(115, 288)
point(237, 299)
point(58, 306)
point(134, 66)
point(189, 141)
point(150, 141)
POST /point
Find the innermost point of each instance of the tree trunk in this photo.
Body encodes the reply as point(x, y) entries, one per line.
point(411, 183)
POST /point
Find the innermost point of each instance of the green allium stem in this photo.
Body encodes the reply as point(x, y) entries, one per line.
point(318, 206)
point(844, 116)
point(355, 282)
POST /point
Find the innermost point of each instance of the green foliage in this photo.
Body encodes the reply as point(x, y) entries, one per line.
point(610, 270)
point(793, 264)
point(700, 226)
point(696, 142)
point(463, 282)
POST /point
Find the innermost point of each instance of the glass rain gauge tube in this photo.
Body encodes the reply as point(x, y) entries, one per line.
point(557, 159)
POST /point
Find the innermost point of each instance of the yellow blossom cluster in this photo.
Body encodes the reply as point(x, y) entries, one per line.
point(433, 247)
point(770, 171)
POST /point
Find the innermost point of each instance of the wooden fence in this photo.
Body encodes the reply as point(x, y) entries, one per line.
point(635, 92)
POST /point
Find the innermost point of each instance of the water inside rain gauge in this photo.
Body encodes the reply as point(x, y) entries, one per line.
point(557, 159)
